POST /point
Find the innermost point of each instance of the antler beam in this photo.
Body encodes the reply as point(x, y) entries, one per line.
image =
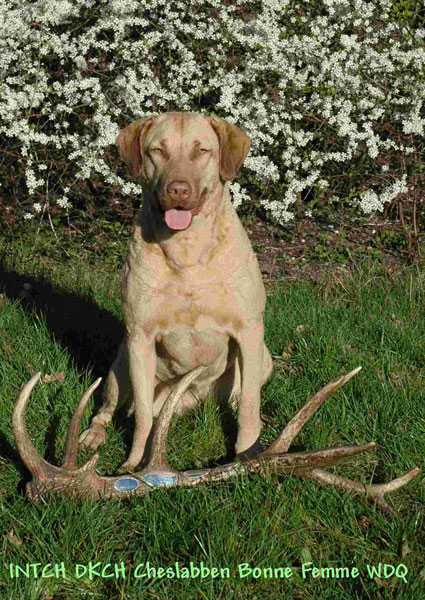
point(85, 482)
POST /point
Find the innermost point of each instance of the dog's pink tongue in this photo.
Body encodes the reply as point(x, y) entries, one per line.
point(178, 219)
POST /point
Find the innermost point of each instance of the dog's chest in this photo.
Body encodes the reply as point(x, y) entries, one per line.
point(222, 296)
point(191, 327)
point(195, 308)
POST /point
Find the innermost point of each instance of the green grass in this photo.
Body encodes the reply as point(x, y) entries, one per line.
point(70, 323)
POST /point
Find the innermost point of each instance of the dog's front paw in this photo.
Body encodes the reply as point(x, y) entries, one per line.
point(93, 437)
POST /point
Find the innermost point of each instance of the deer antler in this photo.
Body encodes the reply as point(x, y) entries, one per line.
point(85, 482)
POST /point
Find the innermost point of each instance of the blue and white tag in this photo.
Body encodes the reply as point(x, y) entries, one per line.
point(160, 479)
point(126, 484)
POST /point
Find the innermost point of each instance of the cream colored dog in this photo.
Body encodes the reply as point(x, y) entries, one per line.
point(191, 286)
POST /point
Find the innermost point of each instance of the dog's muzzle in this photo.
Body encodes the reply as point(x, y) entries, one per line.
point(179, 208)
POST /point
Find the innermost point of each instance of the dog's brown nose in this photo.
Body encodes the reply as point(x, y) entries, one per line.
point(179, 191)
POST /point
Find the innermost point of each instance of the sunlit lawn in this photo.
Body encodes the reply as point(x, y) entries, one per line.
point(69, 321)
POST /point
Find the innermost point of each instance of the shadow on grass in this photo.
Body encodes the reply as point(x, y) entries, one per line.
point(90, 334)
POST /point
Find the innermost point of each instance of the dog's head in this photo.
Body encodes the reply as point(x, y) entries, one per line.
point(182, 157)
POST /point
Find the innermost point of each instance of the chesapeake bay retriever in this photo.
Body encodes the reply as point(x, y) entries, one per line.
point(191, 286)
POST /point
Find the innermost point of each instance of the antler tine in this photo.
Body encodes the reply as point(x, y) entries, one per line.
point(158, 457)
point(374, 492)
point(36, 464)
point(71, 448)
point(291, 463)
point(285, 439)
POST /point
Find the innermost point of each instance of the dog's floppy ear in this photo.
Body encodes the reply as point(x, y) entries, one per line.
point(234, 146)
point(129, 142)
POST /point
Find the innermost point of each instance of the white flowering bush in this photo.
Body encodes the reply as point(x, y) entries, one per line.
point(331, 93)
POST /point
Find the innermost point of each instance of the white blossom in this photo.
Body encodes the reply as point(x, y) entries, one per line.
point(238, 194)
point(369, 202)
point(63, 202)
point(291, 81)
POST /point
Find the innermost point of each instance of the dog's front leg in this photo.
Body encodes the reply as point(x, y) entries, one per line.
point(251, 346)
point(142, 368)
